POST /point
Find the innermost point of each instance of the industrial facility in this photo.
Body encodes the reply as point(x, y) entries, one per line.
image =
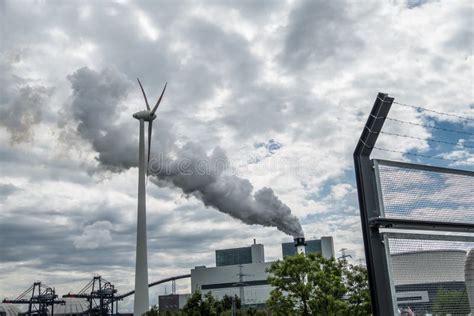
point(418, 277)
point(238, 271)
point(323, 246)
point(242, 271)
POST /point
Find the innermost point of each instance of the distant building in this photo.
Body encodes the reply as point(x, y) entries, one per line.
point(243, 271)
point(238, 271)
point(172, 302)
point(323, 246)
point(243, 255)
point(247, 281)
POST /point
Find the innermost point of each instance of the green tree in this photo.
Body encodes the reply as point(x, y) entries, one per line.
point(307, 285)
point(358, 291)
point(288, 277)
point(226, 303)
point(314, 285)
point(153, 311)
point(198, 305)
point(326, 280)
point(207, 305)
point(451, 302)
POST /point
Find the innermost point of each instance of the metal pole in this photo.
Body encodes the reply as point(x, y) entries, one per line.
point(112, 300)
point(241, 289)
point(141, 302)
point(375, 253)
point(234, 312)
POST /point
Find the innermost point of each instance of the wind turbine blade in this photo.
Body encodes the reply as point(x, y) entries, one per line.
point(144, 95)
point(159, 100)
point(150, 124)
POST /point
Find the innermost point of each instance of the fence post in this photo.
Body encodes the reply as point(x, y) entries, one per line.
point(375, 252)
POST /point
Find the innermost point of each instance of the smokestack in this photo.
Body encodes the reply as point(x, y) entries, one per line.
point(300, 245)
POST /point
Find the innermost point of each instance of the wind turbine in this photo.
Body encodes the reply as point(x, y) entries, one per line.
point(141, 302)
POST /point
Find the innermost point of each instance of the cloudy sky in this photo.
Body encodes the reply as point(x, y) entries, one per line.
point(280, 89)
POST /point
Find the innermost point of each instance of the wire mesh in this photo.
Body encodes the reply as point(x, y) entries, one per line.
point(432, 277)
point(425, 194)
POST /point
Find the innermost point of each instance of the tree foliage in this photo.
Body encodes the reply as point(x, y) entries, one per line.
point(451, 302)
point(358, 292)
point(206, 304)
point(314, 285)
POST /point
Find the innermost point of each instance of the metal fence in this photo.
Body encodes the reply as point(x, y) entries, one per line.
point(418, 227)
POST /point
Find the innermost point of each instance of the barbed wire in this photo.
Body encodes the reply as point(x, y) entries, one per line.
point(426, 139)
point(413, 154)
point(419, 108)
point(429, 126)
point(433, 111)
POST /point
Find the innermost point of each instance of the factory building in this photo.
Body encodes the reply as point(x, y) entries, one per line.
point(172, 302)
point(242, 271)
point(238, 271)
point(243, 255)
point(323, 246)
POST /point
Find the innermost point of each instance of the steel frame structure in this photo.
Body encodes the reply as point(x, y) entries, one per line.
point(41, 297)
point(376, 228)
point(101, 295)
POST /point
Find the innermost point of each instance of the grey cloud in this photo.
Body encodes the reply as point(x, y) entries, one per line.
point(318, 31)
point(23, 110)
point(94, 236)
point(416, 3)
point(17, 160)
point(462, 36)
point(462, 40)
point(47, 246)
point(6, 190)
point(250, 9)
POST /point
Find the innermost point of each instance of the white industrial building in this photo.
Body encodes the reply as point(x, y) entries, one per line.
point(242, 271)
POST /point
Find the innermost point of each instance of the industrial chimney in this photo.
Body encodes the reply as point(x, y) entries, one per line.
point(300, 245)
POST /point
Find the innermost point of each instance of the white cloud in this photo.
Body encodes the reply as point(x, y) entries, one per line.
point(94, 236)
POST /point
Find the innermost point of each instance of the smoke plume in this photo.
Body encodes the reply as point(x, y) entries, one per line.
point(188, 167)
point(21, 107)
point(208, 178)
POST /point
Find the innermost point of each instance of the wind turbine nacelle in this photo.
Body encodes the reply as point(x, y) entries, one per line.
point(145, 115)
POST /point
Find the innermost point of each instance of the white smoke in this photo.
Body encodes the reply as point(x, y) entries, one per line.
point(95, 100)
point(208, 178)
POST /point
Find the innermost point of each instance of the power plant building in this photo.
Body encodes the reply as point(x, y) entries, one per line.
point(172, 302)
point(244, 255)
point(238, 271)
point(243, 271)
point(323, 246)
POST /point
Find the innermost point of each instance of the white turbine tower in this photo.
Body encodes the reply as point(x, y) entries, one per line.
point(141, 302)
